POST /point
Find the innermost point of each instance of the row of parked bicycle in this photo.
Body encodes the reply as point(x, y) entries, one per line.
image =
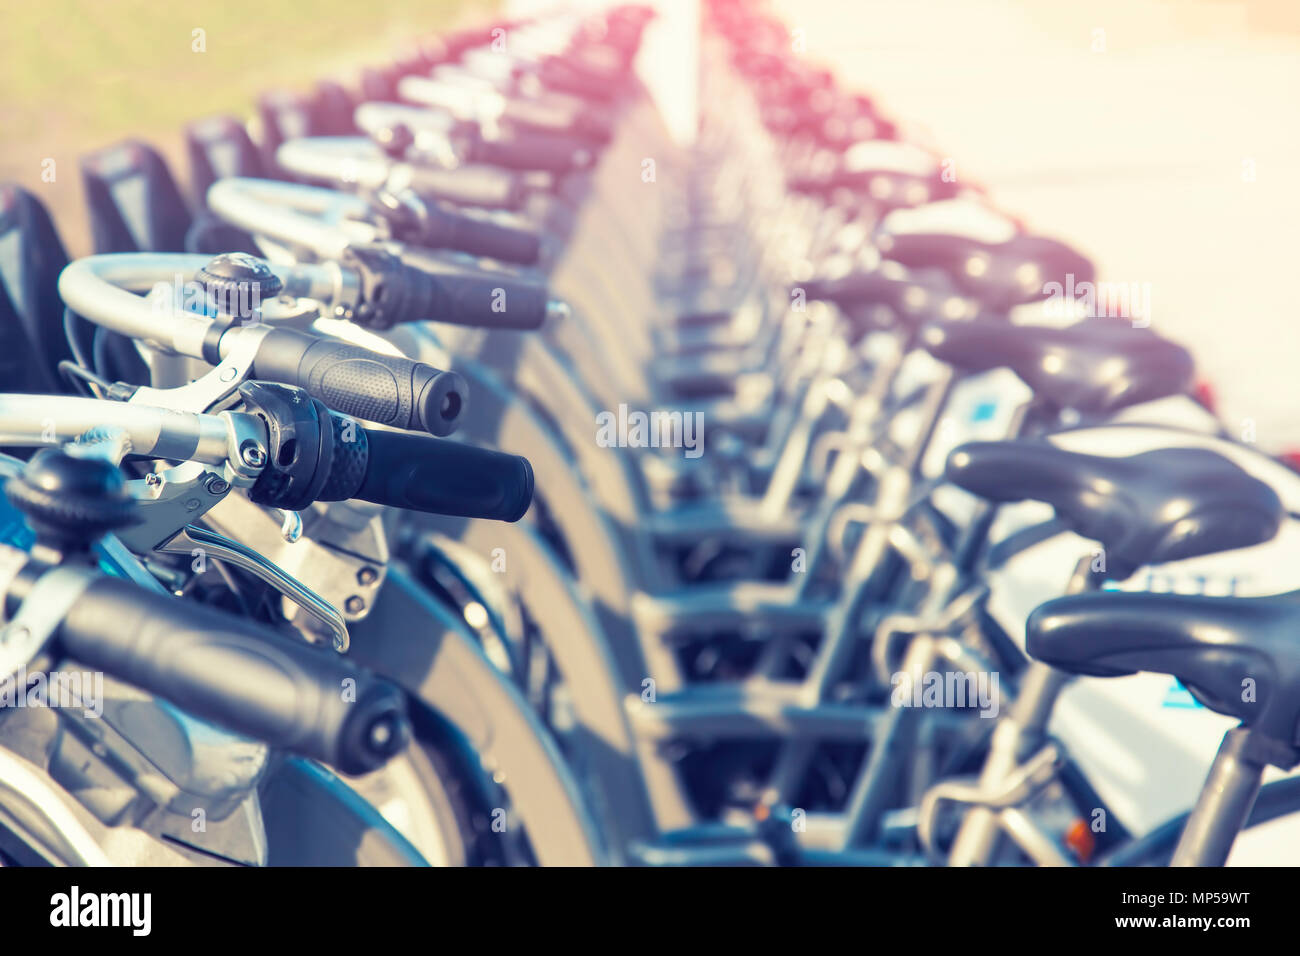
point(784, 521)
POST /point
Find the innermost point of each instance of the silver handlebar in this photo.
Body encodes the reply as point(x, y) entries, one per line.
point(324, 221)
point(467, 103)
point(32, 420)
point(104, 289)
point(355, 159)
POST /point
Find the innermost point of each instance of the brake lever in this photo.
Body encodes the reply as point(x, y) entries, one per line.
point(211, 390)
point(169, 499)
point(403, 212)
point(191, 539)
point(346, 559)
point(172, 500)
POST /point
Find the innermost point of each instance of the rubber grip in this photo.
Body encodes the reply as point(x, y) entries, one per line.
point(568, 77)
point(540, 116)
point(487, 186)
point(547, 152)
point(239, 675)
point(387, 389)
point(483, 300)
point(481, 237)
point(439, 477)
point(594, 124)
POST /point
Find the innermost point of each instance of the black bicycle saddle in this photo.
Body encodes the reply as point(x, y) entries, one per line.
point(1238, 656)
point(1158, 506)
point(913, 297)
point(1002, 274)
point(1096, 366)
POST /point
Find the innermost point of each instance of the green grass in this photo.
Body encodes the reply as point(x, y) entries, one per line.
point(76, 75)
point(107, 67)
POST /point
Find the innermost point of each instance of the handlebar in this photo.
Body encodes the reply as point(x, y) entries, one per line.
point(103, 289)
point(472, 184)
point(1054, 259)
point(544, 151)
point(312, 454)
point(457, 100)
point(388, 389)
point(363, 163)
point(238, 674)
point(590, 81)
point(372, 287)
point(579, 119)
point(304, 460)
point(425, 474)
point(399, 287)
point(30, 420)
point(445, 229)
point(455, 119)
point(440, 292)
point(315, 455)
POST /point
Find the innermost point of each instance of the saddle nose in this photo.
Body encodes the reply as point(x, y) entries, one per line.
point(1002, 272)
point(1096, 366)
point(1238, 656)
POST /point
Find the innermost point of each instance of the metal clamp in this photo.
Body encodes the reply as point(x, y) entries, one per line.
point(1012, 791)
point(170, 500)
point(42, 611)
point(894, 626)
point(212, 388)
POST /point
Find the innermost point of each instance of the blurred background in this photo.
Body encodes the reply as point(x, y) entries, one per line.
point(1160, 136)
point(76, 75)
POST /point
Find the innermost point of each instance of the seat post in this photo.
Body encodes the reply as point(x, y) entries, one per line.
point(1225, 802)
point(1021, 730)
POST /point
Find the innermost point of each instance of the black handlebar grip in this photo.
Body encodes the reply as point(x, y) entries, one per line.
point(541, 116)
point(425, 474)
point(547, 152)
point(592, 124)
point(387, 389)
point(568, 77)
point(487, 186)
point(441, 292)
point(239, 675)
point(481, 237)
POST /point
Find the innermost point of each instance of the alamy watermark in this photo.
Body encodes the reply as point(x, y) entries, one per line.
point(636, 429)
point(133, 911)
point(1122, 300)
point(70, 690)
point(959, 689)
point(242, 301)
